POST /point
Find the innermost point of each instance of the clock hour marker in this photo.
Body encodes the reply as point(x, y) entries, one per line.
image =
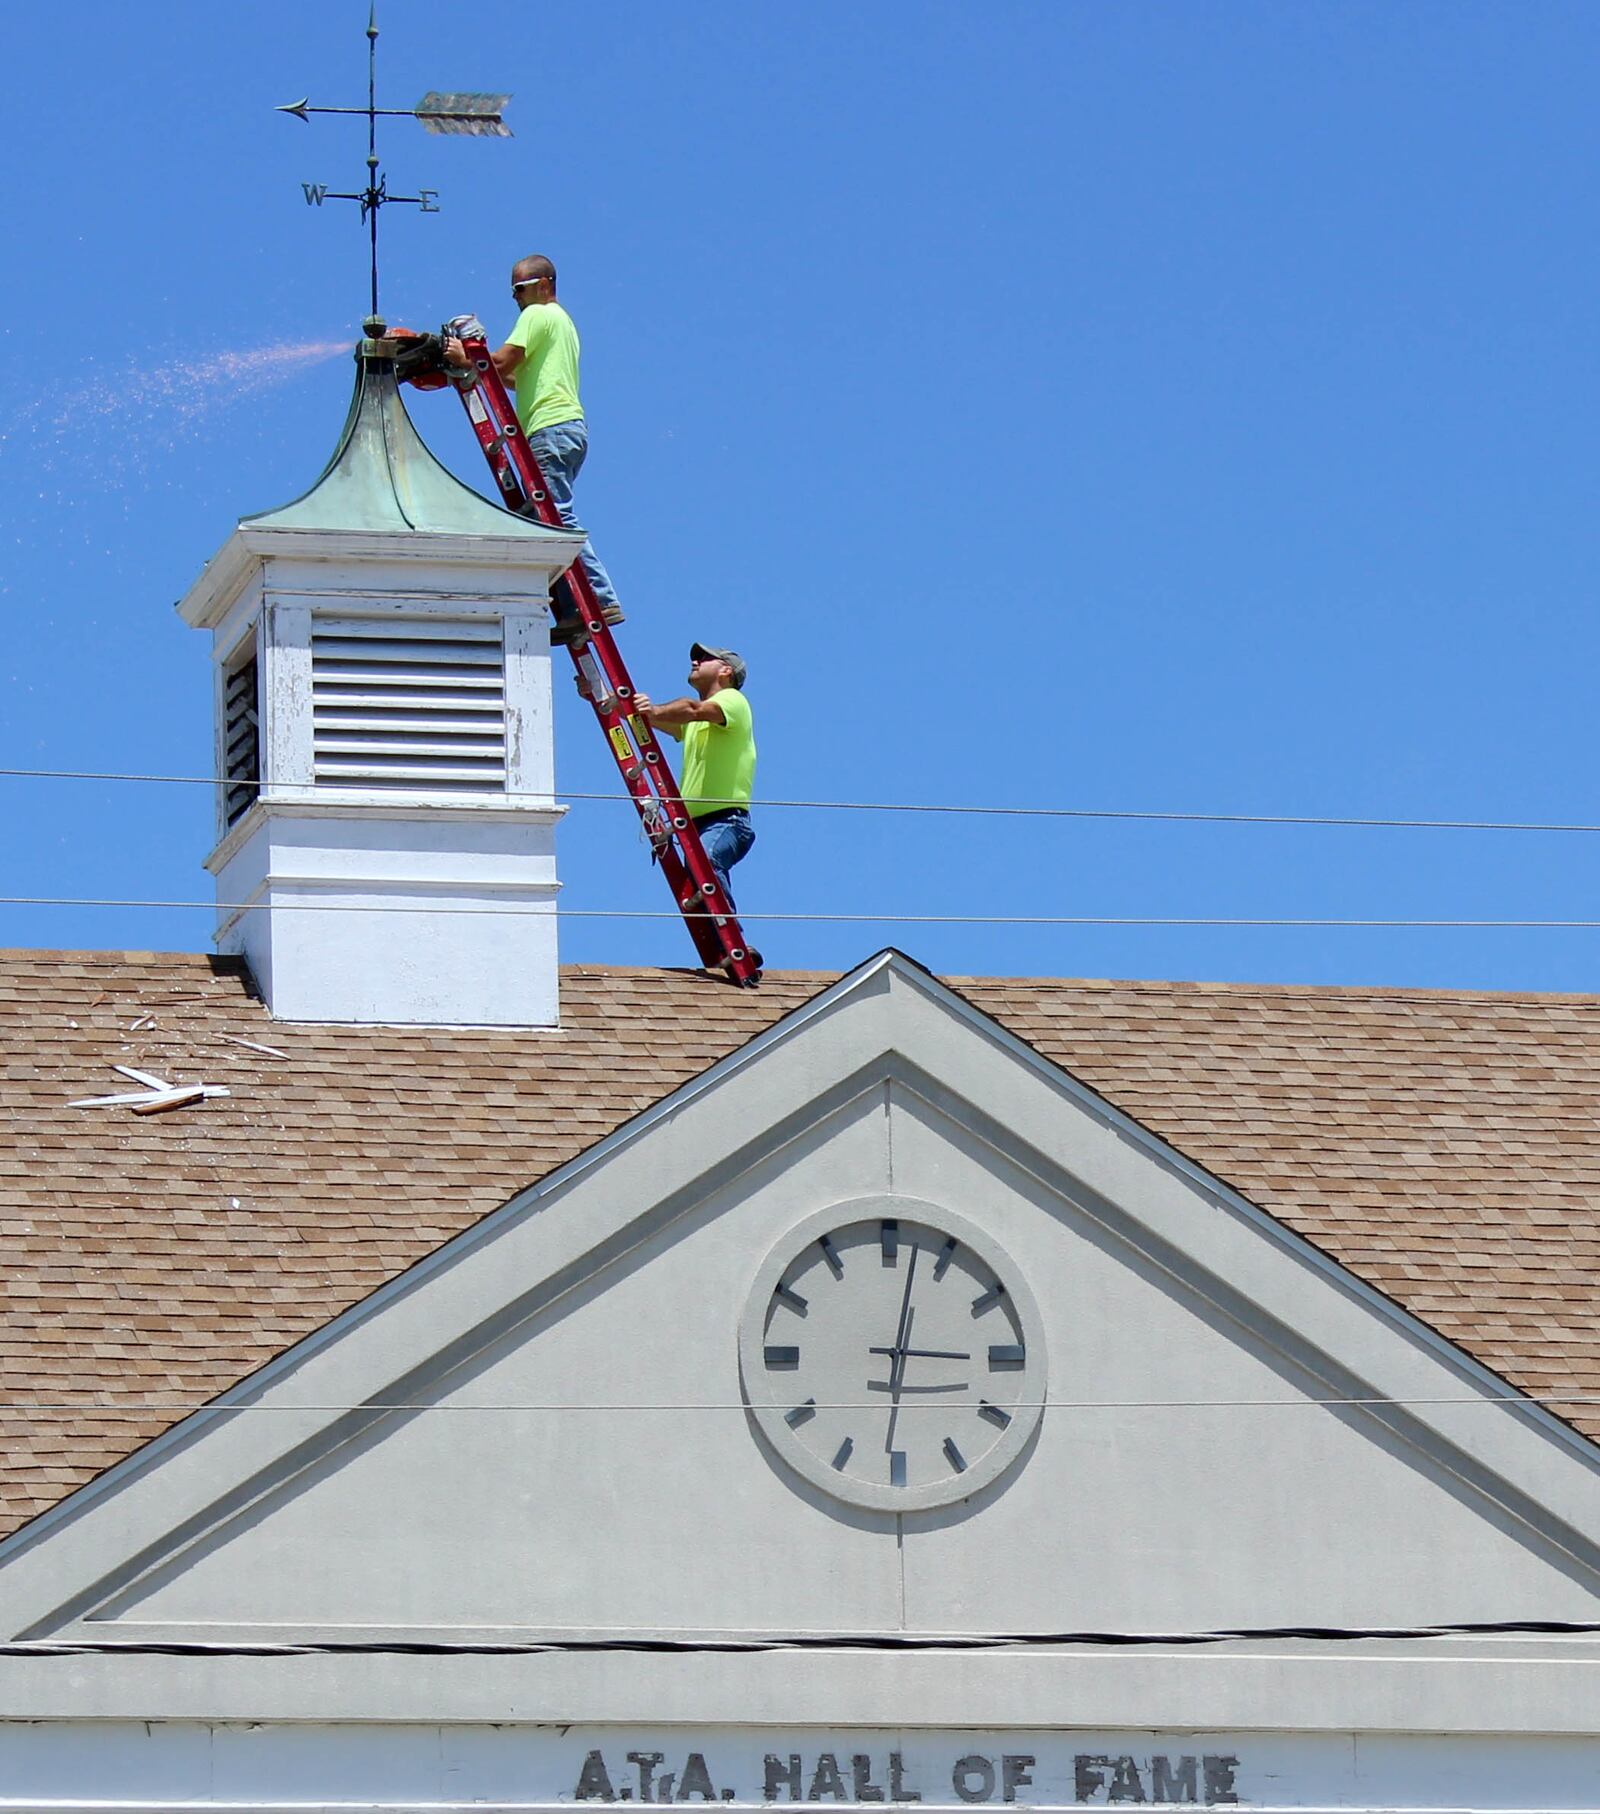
point(844, 1454)
point(954, 1456)
point(1006, 1355)
point(994, 1414)
point(800, 1414)
point(989, 1299)
point(831, 1254)
point(946, 1255)
point(889, 1235)
point(897, 1467)
point(784, 1357)
point(792, 1298)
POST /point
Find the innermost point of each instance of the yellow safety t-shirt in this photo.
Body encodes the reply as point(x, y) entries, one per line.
point(547, 379)
point(719, 760)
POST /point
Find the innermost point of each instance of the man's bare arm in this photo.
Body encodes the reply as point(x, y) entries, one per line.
point(506, 359)
point(675, 713)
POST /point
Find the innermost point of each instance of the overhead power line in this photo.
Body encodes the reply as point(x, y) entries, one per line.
point(807, 1640)
point(1310, 923)
point(1133, 815)
point(147, 1407)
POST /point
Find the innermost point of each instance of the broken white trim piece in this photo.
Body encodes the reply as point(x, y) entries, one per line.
point(173, 1098)
point(157, 1094)
point(145, 1077)
point(107, 1102)
point(165, 1098)
point(255, 1045)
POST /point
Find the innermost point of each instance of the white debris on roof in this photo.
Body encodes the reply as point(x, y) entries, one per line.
point(158, 1093)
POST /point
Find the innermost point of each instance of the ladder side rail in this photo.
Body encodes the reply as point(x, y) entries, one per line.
point(493, 445)
point(606, 681)
point(705, 932)
point(717, 934)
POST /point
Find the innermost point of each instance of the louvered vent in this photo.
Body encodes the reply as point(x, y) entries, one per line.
point(419, 706)
point(241, 761)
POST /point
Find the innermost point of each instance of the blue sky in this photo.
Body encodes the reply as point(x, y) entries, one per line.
point(1121, 404)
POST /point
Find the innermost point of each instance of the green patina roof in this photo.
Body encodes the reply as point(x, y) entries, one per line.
point(382, 476)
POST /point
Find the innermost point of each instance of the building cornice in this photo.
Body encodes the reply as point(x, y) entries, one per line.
point(353, 804)
point(229, 570)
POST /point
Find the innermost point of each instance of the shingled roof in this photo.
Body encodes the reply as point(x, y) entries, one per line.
point(1442, 1146)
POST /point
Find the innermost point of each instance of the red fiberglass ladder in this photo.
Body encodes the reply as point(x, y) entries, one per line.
point(603, 680)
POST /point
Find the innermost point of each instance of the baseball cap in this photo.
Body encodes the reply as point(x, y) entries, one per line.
point(699, 650)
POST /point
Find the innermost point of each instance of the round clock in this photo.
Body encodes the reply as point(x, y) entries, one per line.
point(892, 1354)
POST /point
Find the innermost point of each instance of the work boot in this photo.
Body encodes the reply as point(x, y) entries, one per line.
point(565, 629)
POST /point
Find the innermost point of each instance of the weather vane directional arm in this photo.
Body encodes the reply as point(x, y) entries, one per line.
point(478, 115)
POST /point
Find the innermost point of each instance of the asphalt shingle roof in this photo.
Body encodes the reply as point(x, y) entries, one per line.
point(1443, 1146)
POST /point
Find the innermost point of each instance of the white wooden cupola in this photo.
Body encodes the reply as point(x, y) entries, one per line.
point(385, 811)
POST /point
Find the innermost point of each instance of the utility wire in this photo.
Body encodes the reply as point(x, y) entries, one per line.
point(1350, 821)
point(840, 1640)
point(146, 1407)
point(869, 919)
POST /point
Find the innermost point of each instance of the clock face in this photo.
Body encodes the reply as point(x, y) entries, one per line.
point(892, 1354)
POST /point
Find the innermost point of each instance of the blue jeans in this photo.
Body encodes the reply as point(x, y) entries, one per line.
point(560, 451)
point(726, 839)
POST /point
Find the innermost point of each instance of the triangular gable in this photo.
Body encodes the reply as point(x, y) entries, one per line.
point(1181, 1472)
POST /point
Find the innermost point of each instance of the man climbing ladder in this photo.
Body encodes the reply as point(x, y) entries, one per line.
point(719, 756)
point(539, 361)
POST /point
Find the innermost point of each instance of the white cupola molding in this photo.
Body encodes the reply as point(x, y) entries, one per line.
point(385, 810)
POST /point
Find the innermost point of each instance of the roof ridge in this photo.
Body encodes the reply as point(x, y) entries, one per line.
point(1202, 986)
point(120, 955)
point(1152, 985)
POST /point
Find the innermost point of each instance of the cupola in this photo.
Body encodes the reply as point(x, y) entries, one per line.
point(385, 809)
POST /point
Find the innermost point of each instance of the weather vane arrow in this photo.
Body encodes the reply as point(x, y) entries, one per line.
point(482, 115)
point(474, 115)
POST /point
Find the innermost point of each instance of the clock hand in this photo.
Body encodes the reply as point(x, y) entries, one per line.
point(923, 1353)
point(897, 1385)
point(897, 1364)
point(903, 1328)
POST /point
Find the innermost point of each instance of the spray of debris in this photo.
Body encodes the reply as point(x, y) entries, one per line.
point(78, 459)
point(191, 387)
point(166, 402)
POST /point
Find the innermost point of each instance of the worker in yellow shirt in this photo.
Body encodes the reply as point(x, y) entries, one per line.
point(719, 756)
point(540, 362)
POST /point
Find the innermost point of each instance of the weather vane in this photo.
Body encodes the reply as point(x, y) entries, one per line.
point(476, 114)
